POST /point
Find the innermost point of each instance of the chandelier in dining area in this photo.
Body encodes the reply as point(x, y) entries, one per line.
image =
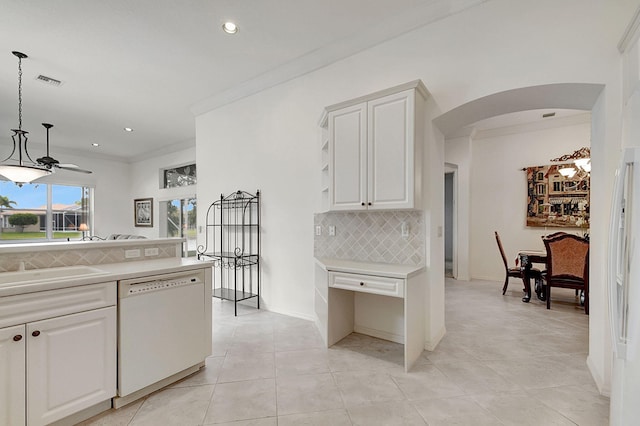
point(576, 165)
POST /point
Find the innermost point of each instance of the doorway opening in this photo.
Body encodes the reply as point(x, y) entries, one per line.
point(450, 214)
point(180, 221)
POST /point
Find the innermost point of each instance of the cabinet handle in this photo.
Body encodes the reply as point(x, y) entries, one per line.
point(17, 337)
point(369, 203)
point(361, 283)
point(363, 203)
point(35, 333)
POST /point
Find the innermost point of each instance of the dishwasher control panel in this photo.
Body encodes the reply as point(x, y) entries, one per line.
point(133, 288)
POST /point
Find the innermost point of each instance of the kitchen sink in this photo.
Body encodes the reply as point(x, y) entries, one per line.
point(48, 274)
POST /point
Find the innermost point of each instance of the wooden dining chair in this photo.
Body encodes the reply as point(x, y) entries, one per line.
point(553, 235)
point(515, 272)
point(567, 265)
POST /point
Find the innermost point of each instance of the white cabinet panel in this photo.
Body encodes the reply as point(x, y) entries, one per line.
point(71, 364)
point(12, 371)
point(348, 158)
point(390, 151)
point(23, 308)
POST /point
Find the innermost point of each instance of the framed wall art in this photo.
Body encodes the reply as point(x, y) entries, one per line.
point(558, 196)
point(143, 212)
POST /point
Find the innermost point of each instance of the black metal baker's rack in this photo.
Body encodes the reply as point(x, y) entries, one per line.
point(232, 241)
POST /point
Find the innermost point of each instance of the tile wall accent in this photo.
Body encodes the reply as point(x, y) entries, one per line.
point(80, 256)
point(371, 237)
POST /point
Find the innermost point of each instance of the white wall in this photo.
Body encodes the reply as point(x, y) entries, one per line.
point(498, 189)
point(271, 140)
point(147, 178)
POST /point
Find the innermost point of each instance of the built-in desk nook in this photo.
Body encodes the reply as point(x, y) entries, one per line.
point(381, 300)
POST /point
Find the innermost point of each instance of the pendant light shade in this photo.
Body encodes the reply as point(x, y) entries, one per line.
point(23, 174)
point(18, 166)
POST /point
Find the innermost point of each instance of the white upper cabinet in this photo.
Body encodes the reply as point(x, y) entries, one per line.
point(373, 161)
point(348, 158)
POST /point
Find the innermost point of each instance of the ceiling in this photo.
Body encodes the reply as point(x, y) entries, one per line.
point(151, 64)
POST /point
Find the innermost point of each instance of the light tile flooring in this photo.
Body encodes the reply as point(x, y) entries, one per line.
point(502, 362)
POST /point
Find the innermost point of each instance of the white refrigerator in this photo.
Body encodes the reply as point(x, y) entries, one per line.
point(624, 290)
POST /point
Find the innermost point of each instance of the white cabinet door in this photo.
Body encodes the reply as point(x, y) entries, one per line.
point(71, 364)
point(348, 158)
point(390, 148)
point(12, 371)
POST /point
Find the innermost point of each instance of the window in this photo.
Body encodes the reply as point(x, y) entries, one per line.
point(179, 176)
point(41, 211)
point(181, 222)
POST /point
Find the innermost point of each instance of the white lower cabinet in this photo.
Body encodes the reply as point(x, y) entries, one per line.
point(57, 353)
point(71, 364)
point(12, 374)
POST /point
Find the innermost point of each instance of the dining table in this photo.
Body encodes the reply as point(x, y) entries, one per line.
point(526, 259)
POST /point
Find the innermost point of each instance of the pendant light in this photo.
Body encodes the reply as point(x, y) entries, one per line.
point(18, 166)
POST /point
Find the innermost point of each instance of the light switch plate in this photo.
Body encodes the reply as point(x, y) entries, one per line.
point(404, 230)
point(332, 230)
point(318, 230)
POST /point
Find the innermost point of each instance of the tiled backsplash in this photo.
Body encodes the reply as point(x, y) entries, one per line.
point(81, 255)
point(371, 236)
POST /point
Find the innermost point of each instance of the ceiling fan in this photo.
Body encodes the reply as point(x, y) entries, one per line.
point(50, 162)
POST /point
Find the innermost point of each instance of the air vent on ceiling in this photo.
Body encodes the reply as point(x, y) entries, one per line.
point(549, 114)
point(48, 80)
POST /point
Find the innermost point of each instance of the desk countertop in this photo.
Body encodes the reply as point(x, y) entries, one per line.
point(366, 268)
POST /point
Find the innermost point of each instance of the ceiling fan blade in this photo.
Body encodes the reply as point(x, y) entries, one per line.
point(72, 168)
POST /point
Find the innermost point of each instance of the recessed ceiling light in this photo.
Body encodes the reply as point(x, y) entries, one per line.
point(128, 129)
point(230, 28)
point(95, 144)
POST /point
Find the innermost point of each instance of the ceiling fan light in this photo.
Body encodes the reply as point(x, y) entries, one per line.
point(23, 174)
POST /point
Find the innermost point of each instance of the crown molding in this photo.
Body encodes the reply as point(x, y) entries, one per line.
point(320, 58)
point(631, 33)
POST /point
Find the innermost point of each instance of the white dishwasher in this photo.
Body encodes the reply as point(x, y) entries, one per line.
point(161, 328)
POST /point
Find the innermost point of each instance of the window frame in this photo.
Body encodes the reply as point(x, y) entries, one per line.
point(49, 213)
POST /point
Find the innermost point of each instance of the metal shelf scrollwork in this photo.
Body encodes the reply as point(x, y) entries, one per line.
point(232, 241)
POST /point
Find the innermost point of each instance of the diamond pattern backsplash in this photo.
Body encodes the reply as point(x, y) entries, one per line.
point(80, 256)
point(371, 237)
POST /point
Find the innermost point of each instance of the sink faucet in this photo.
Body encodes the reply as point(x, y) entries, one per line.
point(21, 266)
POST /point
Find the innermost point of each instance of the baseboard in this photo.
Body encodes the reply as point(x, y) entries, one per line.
point(603, 388)
point(384, 335)
point(430, 345)
point(83, 415)
point(121, 401)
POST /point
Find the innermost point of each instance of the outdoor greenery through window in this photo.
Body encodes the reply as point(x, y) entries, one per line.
point(181, 222)
point(40, 211)
point(179, 176)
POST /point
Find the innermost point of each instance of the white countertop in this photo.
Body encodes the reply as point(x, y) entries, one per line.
point(108, 272)
point(366, 268)
point(10, 248)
